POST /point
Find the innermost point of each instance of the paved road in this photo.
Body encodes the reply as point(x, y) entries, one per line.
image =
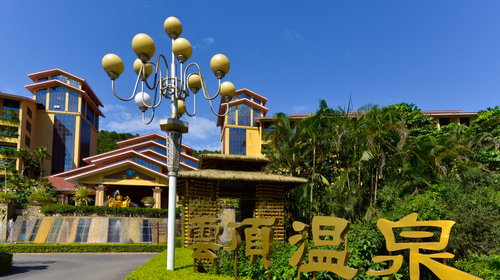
point(112, 266)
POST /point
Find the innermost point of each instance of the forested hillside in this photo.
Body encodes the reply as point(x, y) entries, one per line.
point(389, 162)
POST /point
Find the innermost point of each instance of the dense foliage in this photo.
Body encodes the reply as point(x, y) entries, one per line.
point(106, 140)
point(5, 262)
point(389, 162)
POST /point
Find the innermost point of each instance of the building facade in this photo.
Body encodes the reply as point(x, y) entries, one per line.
point(137, 169)
point(63, 116)
point(244, 127)
point(240, 132)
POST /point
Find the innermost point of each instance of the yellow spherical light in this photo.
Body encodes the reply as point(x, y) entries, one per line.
point(112, 65)
point(227, 91)
point(194, 82)
point(148, 67)
point(144, 46)
point(173, 27)
point(219, 65)
point(181, 107)
point(182, 49)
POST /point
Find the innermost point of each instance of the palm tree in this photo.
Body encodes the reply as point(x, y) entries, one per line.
point(23, 155)
point(42, 153)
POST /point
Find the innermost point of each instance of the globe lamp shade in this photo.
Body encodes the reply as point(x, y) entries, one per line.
point(181, 107)
point(148, 67)
point(142, 99)
point(194, 82)
point(182, 49)
point(227, 91)
point(219, 65)
point(173, 27)
point(112, 65)
point(144, 46)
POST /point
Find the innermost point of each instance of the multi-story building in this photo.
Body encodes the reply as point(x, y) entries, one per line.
point(70, 122)
point(17, 126)
point(240, 132)
point(63, 116)
point(245, 125)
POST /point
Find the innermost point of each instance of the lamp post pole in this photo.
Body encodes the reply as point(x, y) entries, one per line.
point(174, 87)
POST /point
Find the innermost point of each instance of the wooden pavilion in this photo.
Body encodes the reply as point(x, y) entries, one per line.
point(219, 177)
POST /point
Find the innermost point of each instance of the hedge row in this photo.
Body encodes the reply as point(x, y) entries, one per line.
point(155, 269)
point(5, 262)
point(81, 248)
point(52, 209)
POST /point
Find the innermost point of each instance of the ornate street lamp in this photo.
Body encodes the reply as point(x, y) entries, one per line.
point(173, 87)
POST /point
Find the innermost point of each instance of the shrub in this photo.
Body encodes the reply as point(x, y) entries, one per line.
point(5, 262)
point(52, 209)
point(81, 248)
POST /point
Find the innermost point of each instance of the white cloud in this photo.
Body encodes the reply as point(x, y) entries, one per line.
point(203, 133)
point(208, 41)
point(291, 35)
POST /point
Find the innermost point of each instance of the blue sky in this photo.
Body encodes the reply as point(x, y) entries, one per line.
point(434, 54)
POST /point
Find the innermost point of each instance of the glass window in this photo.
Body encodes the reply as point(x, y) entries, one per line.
point(163, 142)
point(29, 112)
point(74, 83)
point(444, 121)
point(84, 141)
point(191, 163)
point(257, 101)
point(147, 164)
point(160, 150)
point(42, 80)
point(27, 141)
point(57, 98)
point(63, 143)
point(54, 231)
point(242, 96)
point(9, 104)
point(82, 231)
point(35, 230)
point(146, 233)
point(465, 121)
point(114, 230)
point(22, 235)
point(244, 115)
point(256, 114)
point(231, 116)
point(60, 78)
point(237, 141)
point(73, 101)
point(41, 95)
point(90, 114)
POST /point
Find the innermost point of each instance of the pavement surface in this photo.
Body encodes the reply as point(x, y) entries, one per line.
point(76, 266)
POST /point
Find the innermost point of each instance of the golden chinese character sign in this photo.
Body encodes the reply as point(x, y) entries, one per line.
point(332, 231)
point(416, 258)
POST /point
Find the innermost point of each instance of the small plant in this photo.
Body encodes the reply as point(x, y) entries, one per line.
point(229, 202)
point(81, 195)
point(39, 196)
point(8, 197)
point(148, 201)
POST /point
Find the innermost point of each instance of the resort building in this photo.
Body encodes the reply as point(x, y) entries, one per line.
point(137, 169)
point(244, 127)
point(63, 117)
point(240, 132)
point(18, 127)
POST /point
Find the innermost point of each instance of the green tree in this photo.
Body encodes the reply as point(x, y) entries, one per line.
point(106, 140)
